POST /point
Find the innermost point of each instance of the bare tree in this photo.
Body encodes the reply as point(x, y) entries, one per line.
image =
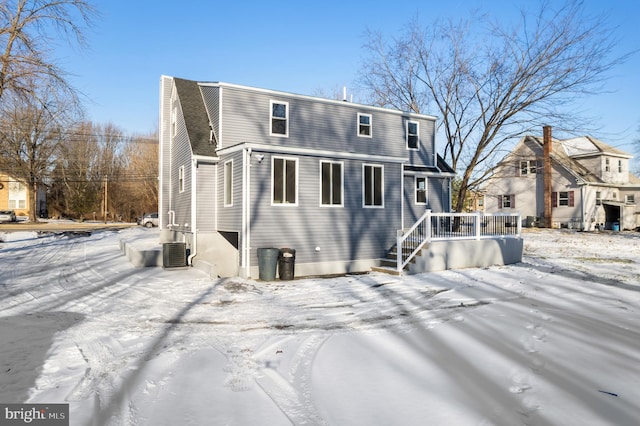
point(141, 156)
point(28, 29)
point(490, 87)
point(75, 187)
point(30, 138)
point(95, 156)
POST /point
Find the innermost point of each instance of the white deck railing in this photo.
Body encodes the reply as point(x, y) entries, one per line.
point(454, 226)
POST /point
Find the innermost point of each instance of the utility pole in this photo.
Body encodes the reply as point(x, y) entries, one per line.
point(106, 198)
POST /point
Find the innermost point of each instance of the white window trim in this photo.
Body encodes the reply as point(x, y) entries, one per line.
point(417, 123)
point(380, 166)
point(181, 179)
point(531, 167)
point(341, 183)
point(563, 199)
point(295, 204)
point(174, 121)
point(502, 202)
point(225, 179)
point(370, 135)
point(426, 191)
point(271, 117)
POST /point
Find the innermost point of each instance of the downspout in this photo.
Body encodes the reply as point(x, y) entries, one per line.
point(582, 209)
point(172, 215)
point(247, 203)
point(547, 175)
point(194, 215)
point(449, 193)
point(402, 196)
point(246, 237)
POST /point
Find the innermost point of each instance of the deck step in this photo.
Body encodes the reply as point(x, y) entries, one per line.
point(385, 270)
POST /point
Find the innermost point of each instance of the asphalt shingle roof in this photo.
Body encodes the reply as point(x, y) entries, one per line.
point(195, 117)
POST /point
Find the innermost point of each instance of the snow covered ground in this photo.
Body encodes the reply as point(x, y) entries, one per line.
point(553, 340)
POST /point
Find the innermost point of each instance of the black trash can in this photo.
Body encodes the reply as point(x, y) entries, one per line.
point(286, 263)
point(267, 263)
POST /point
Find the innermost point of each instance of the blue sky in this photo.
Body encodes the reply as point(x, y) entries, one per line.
point(294, 46)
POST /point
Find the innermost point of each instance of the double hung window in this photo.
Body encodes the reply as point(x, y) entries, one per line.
point(331, 183)
point(413, 132)
point(279, 118)
point(284, 181)
point(228, 183)
point(364, 125)
point(421, 190)
point(373, 182)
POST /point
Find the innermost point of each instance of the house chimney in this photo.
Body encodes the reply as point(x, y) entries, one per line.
point(546, 177)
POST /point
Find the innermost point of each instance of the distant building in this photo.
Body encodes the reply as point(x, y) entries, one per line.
point(589, 184)
point(15, 196)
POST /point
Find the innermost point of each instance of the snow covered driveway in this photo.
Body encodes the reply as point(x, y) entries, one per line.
point(553, 340)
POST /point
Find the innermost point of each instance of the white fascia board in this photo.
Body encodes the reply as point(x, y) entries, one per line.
point(436, 174)
point(205, 159)
point(323, 100)
point(255, 147)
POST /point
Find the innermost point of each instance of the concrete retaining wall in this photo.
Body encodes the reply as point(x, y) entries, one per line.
point(458, 254)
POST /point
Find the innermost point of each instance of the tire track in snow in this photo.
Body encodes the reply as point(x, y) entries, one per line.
point(290, 390)
point(533, 341)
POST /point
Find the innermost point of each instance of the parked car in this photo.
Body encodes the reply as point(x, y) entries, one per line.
point(150, 220)
point(7, 216)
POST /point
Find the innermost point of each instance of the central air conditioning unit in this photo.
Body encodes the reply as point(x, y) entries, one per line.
point(174, 255)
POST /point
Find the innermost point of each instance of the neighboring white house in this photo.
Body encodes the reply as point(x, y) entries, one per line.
point(590, 185)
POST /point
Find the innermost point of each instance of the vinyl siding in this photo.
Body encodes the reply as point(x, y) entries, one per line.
point(342, 233)
point(211, 96)
point(166, 87)
point(206, 192)
point(180, 202)
point(230, 218)
point(320, 125)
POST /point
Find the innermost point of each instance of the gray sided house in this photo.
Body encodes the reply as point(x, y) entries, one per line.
point(243, 168)
point(590, 186)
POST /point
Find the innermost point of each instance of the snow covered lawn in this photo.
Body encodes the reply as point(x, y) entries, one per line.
point(552, 340)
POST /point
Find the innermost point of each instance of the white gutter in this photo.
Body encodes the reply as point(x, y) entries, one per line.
point(311, 152)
